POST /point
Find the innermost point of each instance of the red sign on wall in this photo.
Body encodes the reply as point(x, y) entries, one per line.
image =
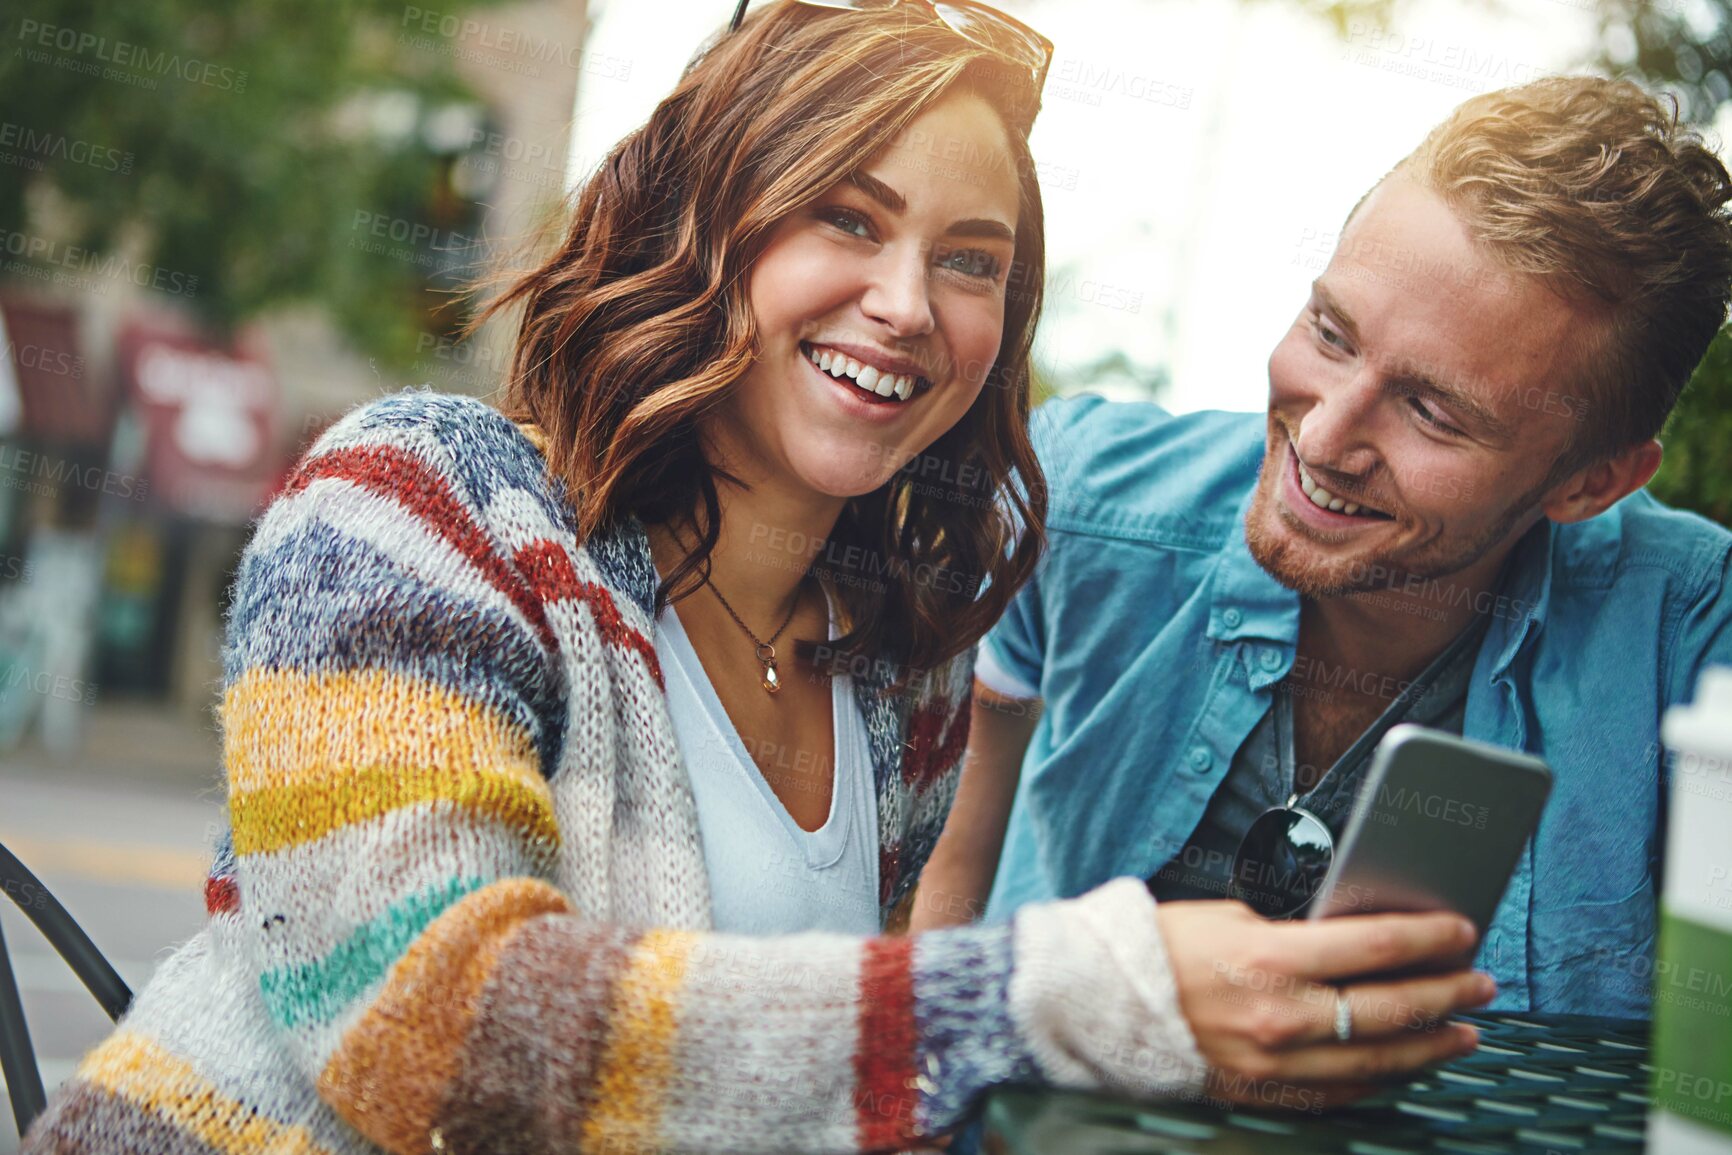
point(209, 416)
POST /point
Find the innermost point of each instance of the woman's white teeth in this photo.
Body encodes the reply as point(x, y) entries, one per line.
point(868, 377)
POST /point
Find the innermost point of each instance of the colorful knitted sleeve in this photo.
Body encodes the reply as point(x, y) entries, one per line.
point(390, 711)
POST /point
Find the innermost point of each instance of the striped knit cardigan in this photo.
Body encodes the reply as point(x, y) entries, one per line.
point(460, 903)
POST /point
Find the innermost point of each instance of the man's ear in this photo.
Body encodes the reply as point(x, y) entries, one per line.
point(1593, 489)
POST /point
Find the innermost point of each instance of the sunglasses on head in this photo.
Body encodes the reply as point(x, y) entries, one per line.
point(979, 24)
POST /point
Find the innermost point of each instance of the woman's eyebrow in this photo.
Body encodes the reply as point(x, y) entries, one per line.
point(981, 228)
point(978, 227)
point(878, 191)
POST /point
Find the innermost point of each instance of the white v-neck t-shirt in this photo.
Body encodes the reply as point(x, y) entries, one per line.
point(767, 875)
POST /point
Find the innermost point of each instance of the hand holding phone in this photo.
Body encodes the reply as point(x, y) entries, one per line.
point(1261, 999)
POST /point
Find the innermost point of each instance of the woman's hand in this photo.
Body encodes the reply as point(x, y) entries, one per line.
point(1260, 998)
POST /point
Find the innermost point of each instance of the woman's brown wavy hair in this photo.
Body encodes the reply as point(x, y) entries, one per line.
point(639, 324)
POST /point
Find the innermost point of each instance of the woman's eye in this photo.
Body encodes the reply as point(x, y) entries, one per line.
point(849, 221)
point(972, 263)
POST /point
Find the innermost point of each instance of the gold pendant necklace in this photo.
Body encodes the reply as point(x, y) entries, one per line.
point(766, 651)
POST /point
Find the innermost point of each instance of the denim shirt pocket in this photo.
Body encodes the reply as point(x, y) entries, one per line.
point(1596, 958)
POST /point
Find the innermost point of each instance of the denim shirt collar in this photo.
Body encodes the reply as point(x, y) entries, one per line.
point(1247, 602)
point(1526, 597)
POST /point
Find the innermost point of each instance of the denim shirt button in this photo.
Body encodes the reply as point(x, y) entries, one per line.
point(1232, 618)
point(1271, 659)
point(1201, 759)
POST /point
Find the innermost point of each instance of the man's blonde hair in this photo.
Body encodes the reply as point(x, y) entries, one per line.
point(1594, 186)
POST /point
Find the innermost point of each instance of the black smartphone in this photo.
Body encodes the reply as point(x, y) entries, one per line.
point(1438, 824)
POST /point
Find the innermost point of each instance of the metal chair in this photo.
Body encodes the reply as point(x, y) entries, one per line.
point(17, 1058)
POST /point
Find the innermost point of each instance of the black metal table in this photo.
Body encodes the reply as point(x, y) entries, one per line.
point(1537, 1083)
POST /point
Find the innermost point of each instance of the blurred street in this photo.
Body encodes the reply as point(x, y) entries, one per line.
point(120, 834)
point(224, 227)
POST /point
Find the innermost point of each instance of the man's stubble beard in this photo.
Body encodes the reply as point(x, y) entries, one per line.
point(1361, 575)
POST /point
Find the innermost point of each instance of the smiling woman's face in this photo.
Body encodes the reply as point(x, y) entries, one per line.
point(880, 309)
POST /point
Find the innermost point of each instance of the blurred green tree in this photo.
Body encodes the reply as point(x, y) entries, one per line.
point(1684, 47)
point(234, 143)
point(1698, 439)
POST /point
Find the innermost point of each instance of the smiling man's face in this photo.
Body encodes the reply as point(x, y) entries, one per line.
point(1416, 407)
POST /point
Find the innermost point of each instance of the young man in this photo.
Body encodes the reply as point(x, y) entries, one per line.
point(1437, 520)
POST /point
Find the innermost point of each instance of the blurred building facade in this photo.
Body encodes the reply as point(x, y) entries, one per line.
point(136, 448)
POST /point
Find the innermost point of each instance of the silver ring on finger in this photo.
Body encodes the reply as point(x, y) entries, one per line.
point(1343, 1018)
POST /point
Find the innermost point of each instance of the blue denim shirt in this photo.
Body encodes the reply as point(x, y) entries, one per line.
point(1156, 641)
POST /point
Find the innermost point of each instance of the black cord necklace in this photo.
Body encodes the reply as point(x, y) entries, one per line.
point(766, 651)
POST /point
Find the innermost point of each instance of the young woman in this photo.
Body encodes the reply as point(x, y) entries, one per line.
point(542, 836)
